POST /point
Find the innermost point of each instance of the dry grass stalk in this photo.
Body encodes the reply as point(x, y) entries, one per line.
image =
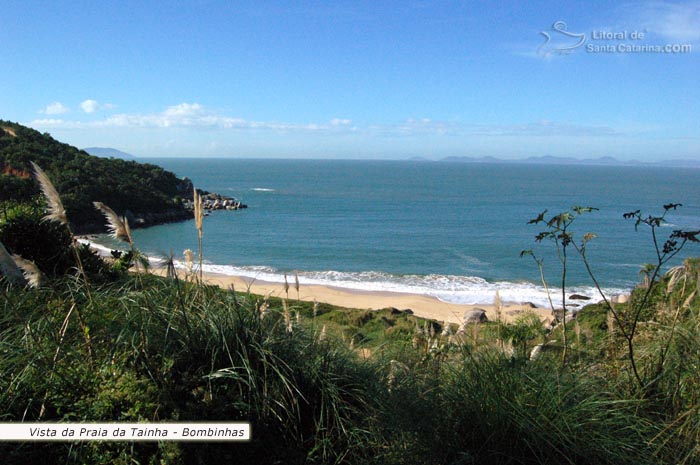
point(296, 283)
point(199, 224)
point(35, 278)
point(55, 212)
point(264, 307)
point(498, 304)
point(611, 333)
point(611, 325)
point(462, 327)
point(287, 316)
point(396, 368)
point(189, 259)
point(117, 225)
point(198, 212)
point(446, 331)
point(322, 334)
point(286, 285)
point(128, 231)
point(9, 268)
point(416, 340)
point(315, 310)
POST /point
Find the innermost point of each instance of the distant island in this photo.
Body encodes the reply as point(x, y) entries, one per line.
point(552, 160)
point(107, 152)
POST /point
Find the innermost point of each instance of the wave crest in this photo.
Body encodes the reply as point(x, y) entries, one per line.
point(469, 290)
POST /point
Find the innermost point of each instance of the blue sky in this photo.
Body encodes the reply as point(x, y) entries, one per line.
point(356, 79)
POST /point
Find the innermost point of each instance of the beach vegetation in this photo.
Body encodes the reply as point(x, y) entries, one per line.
point(178, 350)
point(646, 302)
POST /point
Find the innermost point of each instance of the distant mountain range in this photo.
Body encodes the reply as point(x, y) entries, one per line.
point(106, 152)
point(602, 161)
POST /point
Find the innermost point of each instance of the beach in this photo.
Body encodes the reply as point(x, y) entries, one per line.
point(421, 305)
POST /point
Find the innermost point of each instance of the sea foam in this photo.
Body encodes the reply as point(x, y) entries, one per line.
point(468, 290)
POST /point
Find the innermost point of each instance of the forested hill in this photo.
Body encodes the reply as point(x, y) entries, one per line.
point(146, 193)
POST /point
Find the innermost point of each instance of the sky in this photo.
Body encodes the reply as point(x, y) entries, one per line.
point(357, 79)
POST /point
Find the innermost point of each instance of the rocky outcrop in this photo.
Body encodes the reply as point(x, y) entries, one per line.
point(478, 315)
point(216, 202)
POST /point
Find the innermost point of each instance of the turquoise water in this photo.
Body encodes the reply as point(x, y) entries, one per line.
point(450, 230)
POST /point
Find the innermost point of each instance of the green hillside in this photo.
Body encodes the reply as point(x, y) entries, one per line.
point(147, 191)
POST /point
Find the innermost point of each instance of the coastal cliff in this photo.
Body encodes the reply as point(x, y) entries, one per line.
point(144, 193)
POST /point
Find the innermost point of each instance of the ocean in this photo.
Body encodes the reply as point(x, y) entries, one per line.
point(446, 229)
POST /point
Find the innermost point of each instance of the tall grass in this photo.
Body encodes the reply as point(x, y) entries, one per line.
point(213, 358)
point(486, 409)
point(180, 351)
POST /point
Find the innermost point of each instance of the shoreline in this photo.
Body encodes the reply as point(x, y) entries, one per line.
point(421, 305)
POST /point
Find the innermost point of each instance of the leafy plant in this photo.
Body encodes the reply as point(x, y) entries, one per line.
point(558, 230)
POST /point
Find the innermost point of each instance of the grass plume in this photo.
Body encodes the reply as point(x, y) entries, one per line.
point(118, 226)
point(199, 224)
point(296, 284)
point(35, 278)
point(57, 213)
point(9, 268)
point(189, 259)
point(55, 210)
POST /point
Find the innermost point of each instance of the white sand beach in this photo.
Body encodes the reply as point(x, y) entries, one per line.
point(421, 305)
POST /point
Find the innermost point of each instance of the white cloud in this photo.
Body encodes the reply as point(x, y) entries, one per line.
point(55, 108)
point(340, 122)
point(50, 122)
point(184, 110)
point(425, 127)
point(195, 116)
point(184, 115)
point(91, 106)
point(674, 21)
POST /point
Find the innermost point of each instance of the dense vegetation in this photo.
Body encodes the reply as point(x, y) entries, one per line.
point(83, 340)
point(169, 350)
point(81, 178)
